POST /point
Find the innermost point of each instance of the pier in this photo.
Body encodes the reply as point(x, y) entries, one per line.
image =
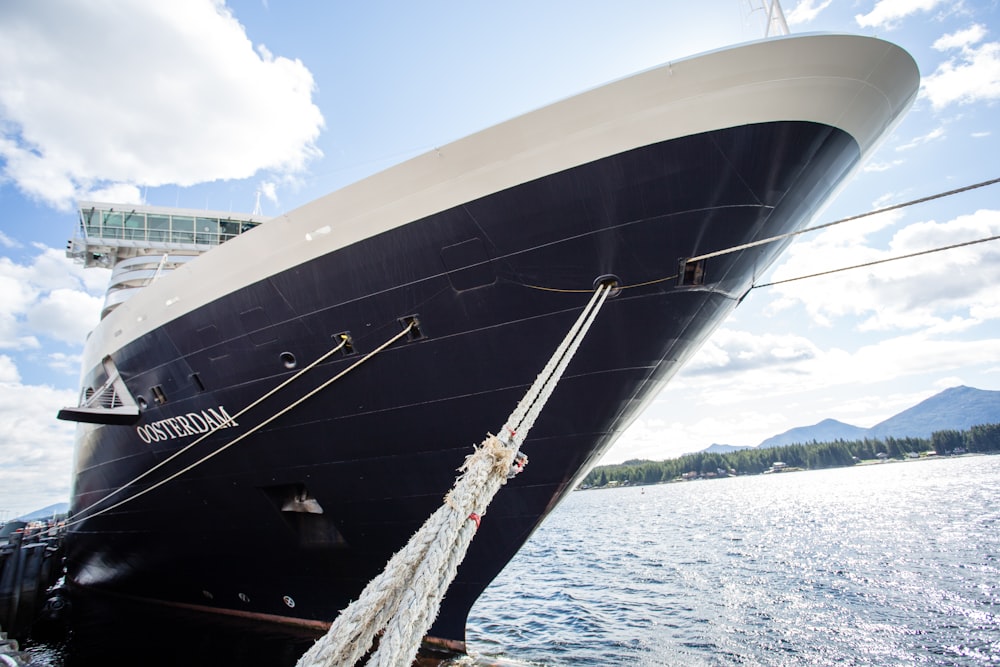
point(30, 563)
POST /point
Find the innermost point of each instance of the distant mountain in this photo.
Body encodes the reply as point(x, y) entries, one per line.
point(46, 512)
point(958, 409)
point(827, 430)
point(724, 449)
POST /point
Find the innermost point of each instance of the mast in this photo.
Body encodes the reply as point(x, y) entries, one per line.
point(774, 17)
point(775, 20)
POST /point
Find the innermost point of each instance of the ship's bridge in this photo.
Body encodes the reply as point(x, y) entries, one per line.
point(142, 243)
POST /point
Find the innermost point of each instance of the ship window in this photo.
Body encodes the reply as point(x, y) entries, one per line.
point(158, 395)
point(112, 225)
point(159, 227)
point(692, 273)
point(182, 229)
point(288, 359)
point(135, 226)
point(230, 229)
point(208, 230)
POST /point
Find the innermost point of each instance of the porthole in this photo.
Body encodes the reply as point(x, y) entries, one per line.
point(288, 359)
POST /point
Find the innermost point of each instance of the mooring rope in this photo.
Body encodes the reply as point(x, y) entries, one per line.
point(912, 202)
point(880, 261)
point(402, 602)
point(591, 290)
point(232, 442)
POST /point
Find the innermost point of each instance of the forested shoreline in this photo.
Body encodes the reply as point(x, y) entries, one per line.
point(811, 456)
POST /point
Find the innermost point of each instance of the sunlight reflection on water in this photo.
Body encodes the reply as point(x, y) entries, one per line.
point(886, 564)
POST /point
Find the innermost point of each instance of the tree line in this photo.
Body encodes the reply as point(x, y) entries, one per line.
point(815, 455)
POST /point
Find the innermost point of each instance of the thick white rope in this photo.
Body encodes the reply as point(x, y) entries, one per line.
point(402, 602)
point(523, 418)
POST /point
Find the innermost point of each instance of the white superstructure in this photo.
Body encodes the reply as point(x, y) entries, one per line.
point(143, 243)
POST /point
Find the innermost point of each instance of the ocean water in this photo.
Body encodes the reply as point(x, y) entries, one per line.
point(888, 564)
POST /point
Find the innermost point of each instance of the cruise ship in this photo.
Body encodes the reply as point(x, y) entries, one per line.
point(226, 463)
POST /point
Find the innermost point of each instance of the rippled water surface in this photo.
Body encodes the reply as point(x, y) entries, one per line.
point(890, 564)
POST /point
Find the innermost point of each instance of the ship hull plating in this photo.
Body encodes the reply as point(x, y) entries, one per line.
point(291, 522)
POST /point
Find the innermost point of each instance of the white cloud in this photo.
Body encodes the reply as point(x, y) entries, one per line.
point(900, 356)
point(65, 315)
point(8, 370)
point(17, 292)
point(8, 242)
point(746, 406)
point(920, 235)
point(971, 76)
point(908, 294)
point(948, 382)
point(50, 298)
point(270, 190)
point(886, 13)
point(730, 350)
point(936, 133)
point(806, 10)
point(120, 193)
point(960, 39)
point(658, 439)
point(37, 452)
point(51, 269)
point(875, 167)
point(65, 363)
point(101, 96)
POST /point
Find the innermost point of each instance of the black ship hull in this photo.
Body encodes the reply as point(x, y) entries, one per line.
point(289, 524)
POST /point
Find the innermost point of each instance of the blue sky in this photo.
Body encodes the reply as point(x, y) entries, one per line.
point(205, 104)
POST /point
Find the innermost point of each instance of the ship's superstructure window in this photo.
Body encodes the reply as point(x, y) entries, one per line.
point(139, 225)
point(206, 229)
point(113, 224)
point(182, 228)
point(159, 227)
point(142, 243)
